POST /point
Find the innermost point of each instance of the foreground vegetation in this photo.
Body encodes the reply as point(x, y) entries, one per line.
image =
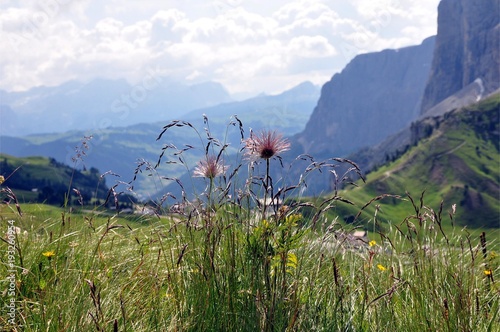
point(230, 262)
point(81, 272)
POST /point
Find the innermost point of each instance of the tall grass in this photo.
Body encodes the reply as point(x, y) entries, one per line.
point(245, 256)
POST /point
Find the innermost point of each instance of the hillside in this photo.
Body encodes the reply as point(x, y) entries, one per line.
point(455, 159)
point(40, 179)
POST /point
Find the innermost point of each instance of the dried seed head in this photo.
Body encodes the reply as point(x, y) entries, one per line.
point(266, 145)
point(209, 168)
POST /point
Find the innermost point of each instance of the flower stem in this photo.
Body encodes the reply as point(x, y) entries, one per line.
point(266, 189)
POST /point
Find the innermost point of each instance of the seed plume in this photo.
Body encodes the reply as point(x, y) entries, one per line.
point(266, 145)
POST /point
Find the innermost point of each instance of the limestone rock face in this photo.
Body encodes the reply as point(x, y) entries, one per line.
point(376, 95)
point(467, 49)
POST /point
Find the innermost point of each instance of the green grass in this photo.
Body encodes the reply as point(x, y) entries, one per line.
point(231, 271)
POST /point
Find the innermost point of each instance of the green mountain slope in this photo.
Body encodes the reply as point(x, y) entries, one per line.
point(40, 179)
point(456, 161)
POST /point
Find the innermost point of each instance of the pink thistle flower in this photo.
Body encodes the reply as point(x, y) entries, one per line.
point(266, 145)
point(209, 168)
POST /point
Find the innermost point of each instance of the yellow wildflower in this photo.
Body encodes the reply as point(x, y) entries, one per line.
point(381, 267)
point(487, 272)
point(293, 219)
point(372, 243)
point(292, 261)
point(49, 254)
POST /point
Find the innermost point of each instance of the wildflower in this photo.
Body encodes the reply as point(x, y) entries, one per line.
point(372, 243)
point(264, 224)
point(209, 168)
point(292, 260)
point(266, 145)
point(487, 272)
point(49, 254)
point(381, 267)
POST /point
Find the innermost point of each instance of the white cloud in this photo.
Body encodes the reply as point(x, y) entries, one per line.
point(248, 47)
point(311, 47)
point(168, 26)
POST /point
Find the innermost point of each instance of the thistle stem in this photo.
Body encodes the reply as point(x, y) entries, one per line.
point(266, 189)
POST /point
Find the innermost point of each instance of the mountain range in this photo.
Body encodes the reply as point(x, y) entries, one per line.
point(102, 103)
point(122, 149)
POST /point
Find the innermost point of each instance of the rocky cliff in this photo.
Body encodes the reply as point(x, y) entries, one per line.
point(376, 95)
point(467, 49)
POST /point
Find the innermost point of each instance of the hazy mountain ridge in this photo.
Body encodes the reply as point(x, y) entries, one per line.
point(288, 111)
point(121, 149)
point(101, 103)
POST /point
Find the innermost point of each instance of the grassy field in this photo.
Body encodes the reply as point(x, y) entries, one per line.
point(229, 269)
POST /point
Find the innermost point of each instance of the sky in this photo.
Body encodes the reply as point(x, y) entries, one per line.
point(251, 47)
